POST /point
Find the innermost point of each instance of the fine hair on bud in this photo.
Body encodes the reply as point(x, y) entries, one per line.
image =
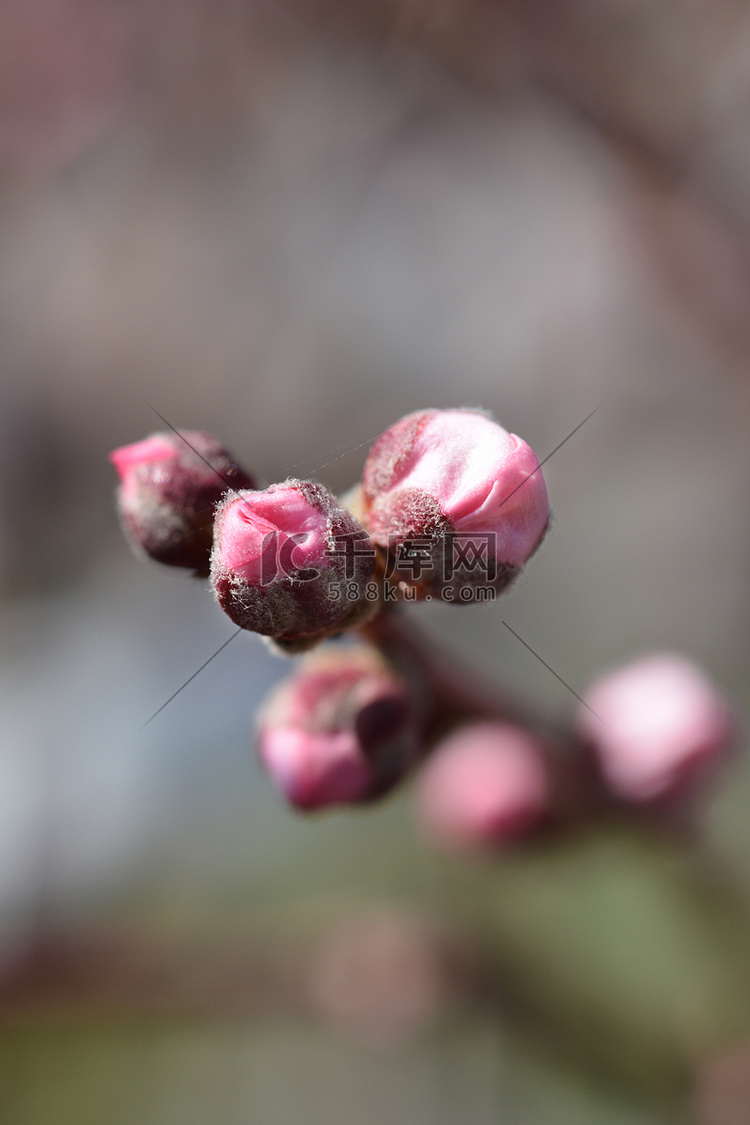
point(289, 562)
point(169, 486)
point(341, 730)
point(454, 502)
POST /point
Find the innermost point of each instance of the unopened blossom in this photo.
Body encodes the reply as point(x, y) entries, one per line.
point(454, 501)
point(485, 785)
point(657, 726)
point(340, 730)
point(291, 563)
point(169, 485)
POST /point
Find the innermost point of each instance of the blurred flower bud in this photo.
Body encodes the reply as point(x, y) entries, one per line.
point(485, 785)
point(292, 564)
point(657, 726)
point(341, 730)
point(168, 490)
point(455, 501)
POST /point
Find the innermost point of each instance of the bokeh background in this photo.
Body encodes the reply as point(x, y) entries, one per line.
point(289, 222)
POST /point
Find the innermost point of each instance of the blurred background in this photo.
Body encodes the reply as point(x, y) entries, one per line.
point(289, 223)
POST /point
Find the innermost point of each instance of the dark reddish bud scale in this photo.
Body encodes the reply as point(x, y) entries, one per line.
point(454, 502)
point(341, 730)
point(292, 564)
point(168, 490)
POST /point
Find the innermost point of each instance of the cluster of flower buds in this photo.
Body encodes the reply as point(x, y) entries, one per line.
point(450, 506)
point(649, 736)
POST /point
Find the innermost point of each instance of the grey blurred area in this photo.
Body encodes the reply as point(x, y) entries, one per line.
point(289, 223)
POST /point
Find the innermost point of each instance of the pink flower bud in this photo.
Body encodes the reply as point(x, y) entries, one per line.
point(483, 786)
point(168, 490)
point(339, 731)
point(455, 500)
point(656, 726)
point(291, 563)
